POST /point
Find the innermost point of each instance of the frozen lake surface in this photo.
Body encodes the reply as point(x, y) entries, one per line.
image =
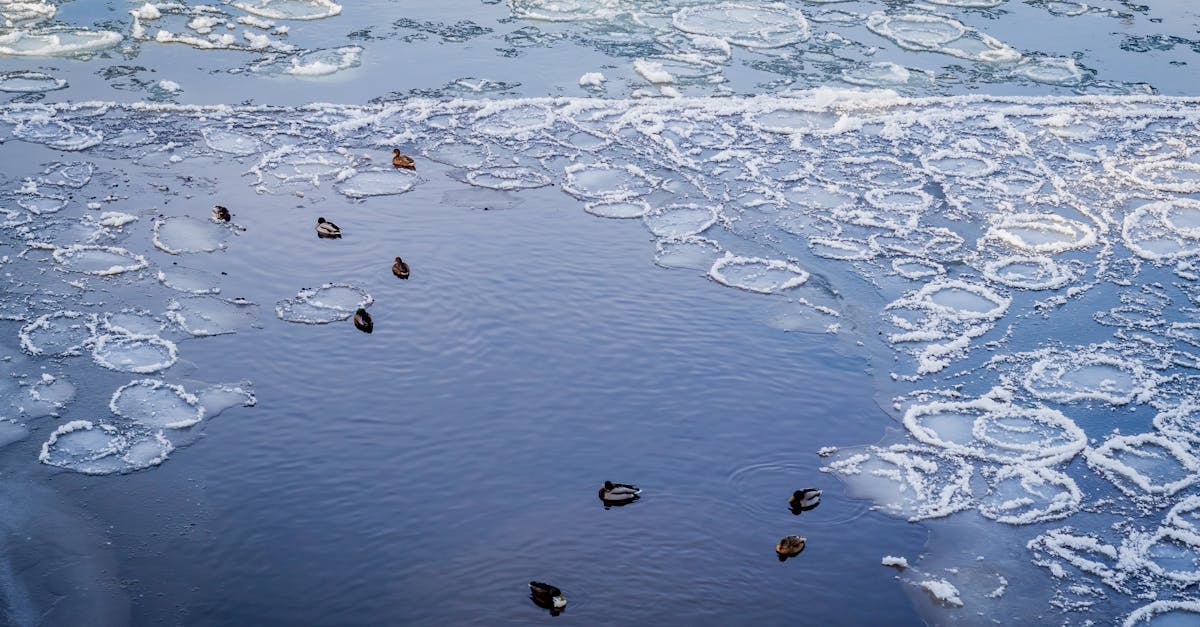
point(936, 258)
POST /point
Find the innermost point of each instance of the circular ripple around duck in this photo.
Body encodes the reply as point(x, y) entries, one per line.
point(762, 490)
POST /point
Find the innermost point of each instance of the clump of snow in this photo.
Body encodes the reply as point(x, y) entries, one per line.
point(592, 79)
point(943, 592)
point(895, 562)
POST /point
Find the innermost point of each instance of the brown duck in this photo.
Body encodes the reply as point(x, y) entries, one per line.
point(400, 268)
point(403, 161)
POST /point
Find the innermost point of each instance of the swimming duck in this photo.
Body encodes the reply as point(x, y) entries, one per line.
point(328, 229)
point(403, 161)
point(547, 596)
point(804, 500)
point(400, 268)
point(362, 320)
point(220, 214)
point(618, 493)
point(789, 546)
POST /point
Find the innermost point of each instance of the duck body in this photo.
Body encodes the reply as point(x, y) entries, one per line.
point(804, 500)
point(362, 321)
point(789, 546)
point(618, 493)
point(221, 214)
point(400, 268)
point(327, 229)
point(403, 161)
point(546, 595)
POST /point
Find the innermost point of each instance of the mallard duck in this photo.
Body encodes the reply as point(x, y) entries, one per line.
point(547, 596)
point(403, 161)
point(804, 500)
point(363, 321)
point(328, 229)
point(789, 546)
point(618, 493)
point(220, 214)
point(400, 268)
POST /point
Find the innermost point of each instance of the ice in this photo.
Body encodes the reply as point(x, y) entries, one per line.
point(190, 280)
point(58, 334)
point(943, 592)
point(156, 404)
point(12, 431)
point(895, 562)
point(1181, 177)
point(102, 449)
point(133, 322)
point(231, 141)
point(23, 43)
point(653, 72)
point(40, 204)
point(972, 4)
point(1145, 466)
point(378, 183)
point(26, 82)
point(908, 481)
point(1165, 614)
point(1041, 232)
point(1022, 495)
point(519, 120)
point(1050, 70)
point(618, 209)
point(98, 260)
point(592, 79)
point(1030, 273)
point(508, 179)
point(57, 134)
point(312, 63)
point(994, 430)
point(935, 33)
point(329, 303)
point(141, 354)
point(1089, 375)
point(208, 315)
point(605, 182)
point(880, 74)
point(178, 235)
point(218, 398)
point(697, 253)
point(752, 26)
point(291, 9)
point(754, 274)
point(680, 221)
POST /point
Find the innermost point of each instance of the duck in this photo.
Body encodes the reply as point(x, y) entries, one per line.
point(400, 268)
point(362, 320)
point(789, 546)
point(328, 229)
point(403, 161)
point(547, 596)
point(618, 493)
point(804, 500)
point(220, 214)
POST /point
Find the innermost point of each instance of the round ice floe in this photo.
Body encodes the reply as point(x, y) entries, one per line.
point(908, 481)
point(230, 141)
point(1180, 421)
point(291, 9)
point(178, 235)
point(961, 300)
point(57, 134)
point(1084, 552)
point(679, 221)
point(188, 280)
point(132, 322)
point(378, 183)
point(972, 4)
point(697, 253)
point(754, 274)
point(899, 200)
point(994, 431)
point(1145, 466)
point(1185, 515)
point(102, 449)
point(206, 315)
point(98, 260)
point(1030, 273)
point(1050, 70)
point(753, 26)
point(821, 197)
point(840, 248)
point(22, 82)
point(605, 182)
point(502, 120)
point(329, 303)
point(877, 75)
point(917, 31)
point(1165, 613)
point(57, 334)
point(141, 354)
point(917, 269)
point(292, 167)
point(1041, 232)
point(73, 174)
point(40, 204)
point(792, 119)
point(958, 163)
point(312, 63)
point(1082, 375)
point(156, 404)
point(23, 43)
point(1181, 177)
point(634, 208)
point(1021, 495)
point(1171, 553)
point(1164, 230)
point(508, 179)
point(1182, 215)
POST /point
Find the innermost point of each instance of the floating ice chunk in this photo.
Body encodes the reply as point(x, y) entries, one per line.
point(102, 449)
point(1050, 70)
point(935, 33)
point(1145, 466)
point(178, 235)
point(917, 269)
point(1022, 495)
point(840, 248)
point(508, 179)
point(22, 43)
point(40, 204)
point(24, 82)
point(312, 63)
point(378, 183)
point(697, 253)
point(992, 430)
point(958, 163)
point(1041, 232)
point(512, 120)
point(1182, 420)
point(329, 303)
point(1181, 177)
point(146, 12)
point(230, 141)
point(156, 404)
point(1084, 552)
point(791, 119)
point(1070, 376)
point(57, 334)
point(894, 562)
point(905, 480)
point(592, 79)
point(753, 26)
point(206, 315)
point(115, 219)
point(133, 322)
point(606, 182)
point(292, 167)
point(877, 74)
point(13, 12)
point(942, 591)
point(635, 208)
point(1164, 230)
point(653, 72)
point(754, 274)
point(170, 86)
point(912, 200)
point(141, 354)
point(220, 397)
point(680, 221)
point(961, 300)
point(971, 4)
point(12, 431)
point(1030, 273)
point(1164, 613)
point(1171, 553)
point(49, 394)
point(291, 9)
point(57, 134)
point(188, 280)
